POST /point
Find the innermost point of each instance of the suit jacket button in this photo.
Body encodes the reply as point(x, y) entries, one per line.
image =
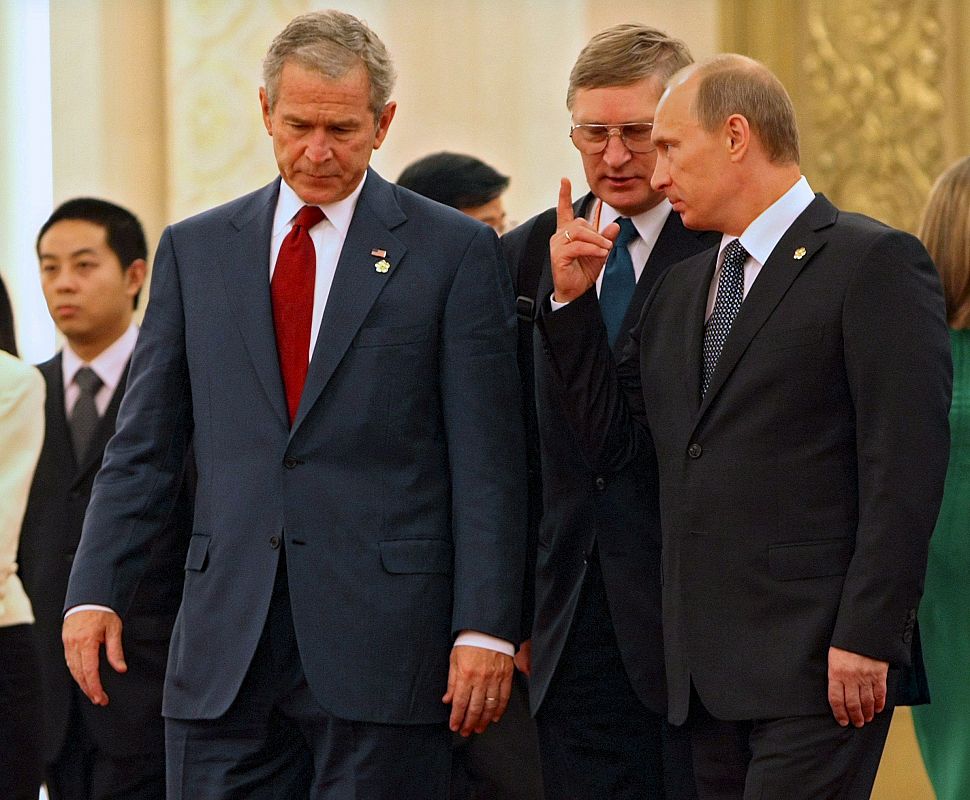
point(289, 462)
point(695, 450)
point(600, 483)
point(274, 542)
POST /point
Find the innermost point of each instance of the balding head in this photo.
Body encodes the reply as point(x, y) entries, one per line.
point(734, 84)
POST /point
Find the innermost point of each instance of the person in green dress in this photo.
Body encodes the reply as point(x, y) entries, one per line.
point(943, 727)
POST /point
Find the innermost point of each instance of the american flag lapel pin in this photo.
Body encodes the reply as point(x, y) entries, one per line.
point(383, 265)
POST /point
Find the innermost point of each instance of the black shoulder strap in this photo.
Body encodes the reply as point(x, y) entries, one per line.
point(530, 265)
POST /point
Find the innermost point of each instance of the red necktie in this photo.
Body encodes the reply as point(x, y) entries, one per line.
point(292, 291)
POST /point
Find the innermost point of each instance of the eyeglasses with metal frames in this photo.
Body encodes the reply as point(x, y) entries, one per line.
point(593, 138)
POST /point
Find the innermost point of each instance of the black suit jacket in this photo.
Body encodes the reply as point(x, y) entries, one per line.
point(614, 510)
point(131, 723)
point(799, 495)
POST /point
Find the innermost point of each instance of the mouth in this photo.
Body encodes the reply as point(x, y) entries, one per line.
point(619, 180)
point(66, 311)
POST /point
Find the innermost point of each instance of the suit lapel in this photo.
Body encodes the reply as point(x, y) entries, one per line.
point(57, 433)
point(794, 251)
point(245, 271)
point(356, 284)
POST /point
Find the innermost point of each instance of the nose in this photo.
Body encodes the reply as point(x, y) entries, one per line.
point(64, 281)
point(660, 179)
point(318, 148)
point(616, 153)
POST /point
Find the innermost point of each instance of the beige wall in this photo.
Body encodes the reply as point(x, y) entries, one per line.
point(485, 78)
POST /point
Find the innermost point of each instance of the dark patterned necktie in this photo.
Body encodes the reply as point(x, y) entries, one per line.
point(619, 280)
point(292, 291)
point(730, 294)
point(84, 416)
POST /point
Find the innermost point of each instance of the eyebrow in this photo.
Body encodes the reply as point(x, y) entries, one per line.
point(84, 251)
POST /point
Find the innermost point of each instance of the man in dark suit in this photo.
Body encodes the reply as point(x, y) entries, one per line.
point(596, 651)
point(341, 353)
point(801, 437)
point(503, 762)
point(92, 266)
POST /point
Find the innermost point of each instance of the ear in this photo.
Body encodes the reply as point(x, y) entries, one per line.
point(738, 136)
point(264, 106)
point(135, 276)
point(383, 123)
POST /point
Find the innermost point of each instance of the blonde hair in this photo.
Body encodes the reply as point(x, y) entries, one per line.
point(624, 54)
point(945, 231)
point(733, 84)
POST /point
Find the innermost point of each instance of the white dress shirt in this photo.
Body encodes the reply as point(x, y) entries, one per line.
point(763, 235)
point(109, 366)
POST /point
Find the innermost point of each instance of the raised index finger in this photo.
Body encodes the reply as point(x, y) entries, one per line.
point(564, 211)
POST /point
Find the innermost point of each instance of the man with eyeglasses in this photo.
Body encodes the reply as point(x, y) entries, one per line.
point(595, 657)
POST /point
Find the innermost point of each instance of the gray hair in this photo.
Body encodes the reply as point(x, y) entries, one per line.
point(331, 43)
point(625, 54)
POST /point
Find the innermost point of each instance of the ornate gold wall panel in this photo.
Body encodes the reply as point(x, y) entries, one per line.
point(878, 86)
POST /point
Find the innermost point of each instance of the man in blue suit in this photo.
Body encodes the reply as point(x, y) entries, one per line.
point(341, 354)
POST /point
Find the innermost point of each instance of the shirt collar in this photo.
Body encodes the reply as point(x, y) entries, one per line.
point(764, 233)
point(648, 223)
point(338, 213)
point(109, 365)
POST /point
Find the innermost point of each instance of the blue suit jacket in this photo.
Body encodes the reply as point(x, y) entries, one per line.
point(398, 491)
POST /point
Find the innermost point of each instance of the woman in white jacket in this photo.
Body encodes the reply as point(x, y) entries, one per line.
point(21, 438)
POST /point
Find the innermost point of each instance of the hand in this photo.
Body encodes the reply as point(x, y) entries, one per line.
point(83, 634)
point(523, 659)
point(479, 685)
point(857, 687)
point(576, 251)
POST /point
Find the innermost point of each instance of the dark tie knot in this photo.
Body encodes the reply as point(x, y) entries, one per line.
point(307, 217)
point(87, 381)
point(628, 232)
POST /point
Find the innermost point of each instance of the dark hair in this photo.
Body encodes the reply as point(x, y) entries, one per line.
point(125, 235)
point(8, 340)
point(454, 179)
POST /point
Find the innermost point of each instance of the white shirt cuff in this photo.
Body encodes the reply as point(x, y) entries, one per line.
point(87, 607)
point(484, 640)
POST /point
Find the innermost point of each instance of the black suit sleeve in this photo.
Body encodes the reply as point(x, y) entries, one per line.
point(603, 398)
point(897, 360)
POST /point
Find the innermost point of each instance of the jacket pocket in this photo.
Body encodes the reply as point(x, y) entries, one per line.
point(409, 556)
point(196, 559)
point(816, 559)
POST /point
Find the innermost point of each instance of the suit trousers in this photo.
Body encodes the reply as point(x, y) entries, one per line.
point(277, 743)
point(503, 762)
point(795, 758)
point(21, 762)
point(596, 739)
point(83, 771)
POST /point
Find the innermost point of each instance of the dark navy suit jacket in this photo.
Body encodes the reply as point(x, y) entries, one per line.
point(398, 492)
